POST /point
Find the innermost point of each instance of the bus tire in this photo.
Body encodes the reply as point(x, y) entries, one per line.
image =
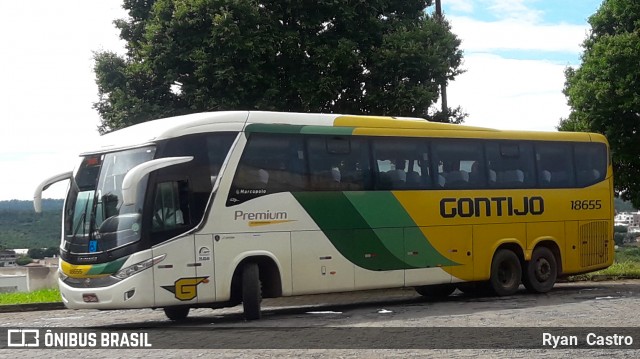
point(506, 272)
point(541, 271)
point(251, 291)
point(176, 313)
point(436, 291)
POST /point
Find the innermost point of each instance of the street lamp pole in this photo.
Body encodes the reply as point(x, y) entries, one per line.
point(443, 82)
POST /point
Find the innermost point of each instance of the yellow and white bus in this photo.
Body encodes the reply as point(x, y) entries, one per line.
point(216, 209)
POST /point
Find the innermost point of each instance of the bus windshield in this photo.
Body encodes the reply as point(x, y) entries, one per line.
point(95, 220)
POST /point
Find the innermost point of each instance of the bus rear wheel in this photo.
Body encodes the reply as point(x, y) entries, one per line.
point(541, 271)
point(506, 272)
point(436, 291)
point(251, 291)
point(176, 313)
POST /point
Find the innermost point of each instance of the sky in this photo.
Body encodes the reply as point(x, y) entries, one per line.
point(515, 54)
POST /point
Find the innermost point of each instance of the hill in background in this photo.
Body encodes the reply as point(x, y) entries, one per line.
point(21, 227)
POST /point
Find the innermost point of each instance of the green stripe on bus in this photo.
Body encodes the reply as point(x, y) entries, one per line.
point(371, 229)
point(107, 268)
point(382, 209)
point(327, 130)
point(303, 129)
point(270, 128)
point(349, 232)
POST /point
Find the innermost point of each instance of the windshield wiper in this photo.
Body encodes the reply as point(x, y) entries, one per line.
point(83, 220)
point(80, 222)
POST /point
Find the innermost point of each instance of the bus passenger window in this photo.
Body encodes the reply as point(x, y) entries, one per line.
point(337, 163)
point(401, 163)
point(591, 163)
point(271, 163)
point(555, 165)
point(511, 164)
point(456, 160)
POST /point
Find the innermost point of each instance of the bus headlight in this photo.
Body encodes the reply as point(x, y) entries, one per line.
point(61, 275)
point(138, 267)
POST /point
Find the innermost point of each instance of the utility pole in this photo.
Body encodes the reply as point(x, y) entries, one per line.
point(443, 82)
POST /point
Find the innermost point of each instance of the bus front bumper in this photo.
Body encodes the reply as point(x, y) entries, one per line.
point(133, 292)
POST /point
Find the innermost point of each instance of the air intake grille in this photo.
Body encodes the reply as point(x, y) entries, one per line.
point(594, 239)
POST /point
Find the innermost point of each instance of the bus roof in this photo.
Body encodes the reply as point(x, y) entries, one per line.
point(151, 131)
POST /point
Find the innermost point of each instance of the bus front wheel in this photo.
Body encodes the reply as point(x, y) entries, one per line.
point(506, 272)
point(251, 291)
point(541, 271)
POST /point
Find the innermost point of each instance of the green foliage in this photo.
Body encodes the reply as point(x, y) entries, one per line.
point(27, 206)
point(40, 253)
point(619, 238)
point(626, 265)
point(377, 57)
point(620, 229)
point(619, 270)
point(38, 296)
point(21, 261)
point(628, 254)
point(621, 235)
point(604, 92)
point(21, 227)
point(623, 206)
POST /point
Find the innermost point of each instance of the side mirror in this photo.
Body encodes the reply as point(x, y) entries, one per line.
point(133, 177)
point(119, 223)
point(37, 195)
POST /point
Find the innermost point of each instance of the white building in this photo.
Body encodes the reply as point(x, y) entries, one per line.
point(8, 258)
point(627, 219)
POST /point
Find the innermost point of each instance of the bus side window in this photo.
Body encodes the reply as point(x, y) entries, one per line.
point(456, 160)
point(555, 165)
point(218, 146)
point(271, 163)
point(400, 163)
point(208, 151)
point(511, 164)
point(338, 163)
point(170, 208)
point(591, 163)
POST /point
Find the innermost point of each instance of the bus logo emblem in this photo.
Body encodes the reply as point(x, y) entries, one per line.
point(186, 288)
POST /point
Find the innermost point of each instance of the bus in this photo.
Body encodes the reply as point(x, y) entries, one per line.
point(226, 208)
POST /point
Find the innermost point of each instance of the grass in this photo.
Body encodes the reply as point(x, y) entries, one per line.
point(38, 296)
point(625, 266)
point(625, 254)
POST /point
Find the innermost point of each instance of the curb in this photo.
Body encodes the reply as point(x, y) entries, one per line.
point(31, 307)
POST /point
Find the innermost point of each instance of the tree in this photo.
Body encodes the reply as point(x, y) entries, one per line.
point(35, 253)
point(51, 252)
point(604, 92)
point(21, 261)
point(383, 57)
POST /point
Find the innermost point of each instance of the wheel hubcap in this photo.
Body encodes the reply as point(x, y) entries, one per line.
point(543, 270)
point(505, 274)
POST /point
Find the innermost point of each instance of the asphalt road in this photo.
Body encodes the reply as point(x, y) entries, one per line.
point(389, 323)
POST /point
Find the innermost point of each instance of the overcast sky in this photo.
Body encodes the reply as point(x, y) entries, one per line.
point(515, 52)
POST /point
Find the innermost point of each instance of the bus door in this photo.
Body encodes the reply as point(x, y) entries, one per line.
point(175, 278)
point(183, 276)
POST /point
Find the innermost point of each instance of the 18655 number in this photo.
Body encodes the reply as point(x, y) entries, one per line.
point(586, 204)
